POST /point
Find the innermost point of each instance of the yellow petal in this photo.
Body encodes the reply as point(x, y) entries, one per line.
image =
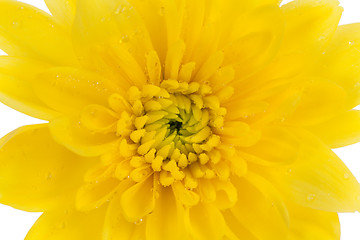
point(320, 101)
point(236, 227)
point(71, 134)
point(261, 208)
point(309, 224)
point(110, 37)
point(206, 222)
point(17, 76)
point(68, 224)
point(22, 34)
point(309, 25)
point(68, 90)
point(62, 10)
point(340, 62)
point(139, 200)
point(18, 95)
point(99, 119)
point(318, 178)
point(167, 219)
point(116, 226)
point(339, 131)
point(94, 194)
point(36, 173)
point(255, 40)
point(276, 146)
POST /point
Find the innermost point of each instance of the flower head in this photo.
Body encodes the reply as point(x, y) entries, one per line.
point(180, 119)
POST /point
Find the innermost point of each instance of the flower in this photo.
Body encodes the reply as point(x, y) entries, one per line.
point(187, 119)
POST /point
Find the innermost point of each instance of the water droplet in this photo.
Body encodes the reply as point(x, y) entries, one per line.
point(120, 9)
point(358, 198)
point(289, 171)
point(124, 39)
point(16, 24)
point(346, 176)
point(138, 222)
point(311, 197)
point(48, 176)
point(162, 11)
point(21, 8)
point(63, 225)
point(102, 19)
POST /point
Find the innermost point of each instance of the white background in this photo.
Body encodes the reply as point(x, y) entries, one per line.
point(14, 224)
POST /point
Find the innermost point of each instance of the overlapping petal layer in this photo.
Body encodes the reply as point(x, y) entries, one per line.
point(205, 119)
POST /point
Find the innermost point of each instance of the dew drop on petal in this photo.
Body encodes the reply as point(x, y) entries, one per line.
point(138, 222)
point(311, 197)
point(346, 176)
point(15, 24)
point(162, 11)
point(48, 176)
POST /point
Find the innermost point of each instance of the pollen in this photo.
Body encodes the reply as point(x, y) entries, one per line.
point(170, 130)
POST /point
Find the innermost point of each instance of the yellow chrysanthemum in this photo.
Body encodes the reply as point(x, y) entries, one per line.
point(180, 119)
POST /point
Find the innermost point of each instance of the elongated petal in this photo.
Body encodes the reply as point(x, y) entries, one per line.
point(206, 222)
point(316, 22)
point(318, 178)
point(276, 146)
point(62, 10)
point(237, 228)
point(340, 62)
point(167, 219)
point(320, 101)
point(17, 77)
point(309, 224)
point(68, 90)
point(139, 200)
point(340, 131)
point(22, 34)
point(78, 139)
point(309, 27)
point(92, 195)
point(36, 173)
point(261, 199)
point(68, 224)
point(116, 226)
point(111, 38)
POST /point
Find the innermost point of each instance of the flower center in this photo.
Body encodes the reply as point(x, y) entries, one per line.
point(170, 130)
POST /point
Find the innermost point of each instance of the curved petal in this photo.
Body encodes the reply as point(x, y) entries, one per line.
point(17, 77)
point(277, 146)
point(309, 25)
point(68, 90)
point(205, 222)
point(261, 210)
point(68, 224)
point(78, 139)
point(167, 219)
point(340, 62)
point(36, 173)
point(237, 228)
point(62, 10)
point(139, 200)
point(115, 225)
point(94, 194)
point(318, 178)
point(255, 41)
point(309, 28)
point(339, 131)
point(22, 34)
point(320, 101)
point(309, 224)
point(110, 37)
